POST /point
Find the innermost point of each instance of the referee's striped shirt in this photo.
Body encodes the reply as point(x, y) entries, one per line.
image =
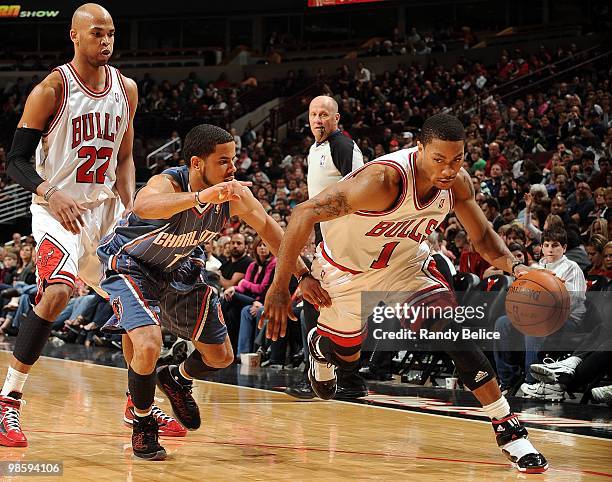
point(330, 161)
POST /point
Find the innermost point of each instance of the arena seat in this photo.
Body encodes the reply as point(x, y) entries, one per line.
point(597, 282)
point(490, 293)
point(464, 283)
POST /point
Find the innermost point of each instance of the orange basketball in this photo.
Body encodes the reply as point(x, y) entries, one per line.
point(538, 303)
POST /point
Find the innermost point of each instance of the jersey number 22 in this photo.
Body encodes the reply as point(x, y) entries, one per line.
point(85, 173)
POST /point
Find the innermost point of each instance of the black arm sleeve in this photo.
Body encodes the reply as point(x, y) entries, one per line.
point(19, 160)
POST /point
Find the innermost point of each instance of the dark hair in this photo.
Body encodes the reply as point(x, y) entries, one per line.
point(518, 230)
point(588, 155)
point(258, 241)
point(202, 140)
point(555, 234)
point(492, 203)
point(444, 127)
point(519, 247)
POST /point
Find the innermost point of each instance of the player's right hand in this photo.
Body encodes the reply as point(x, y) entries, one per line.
point(223, 192)
point(67, 211)
point(528, 200)
point(277, 308)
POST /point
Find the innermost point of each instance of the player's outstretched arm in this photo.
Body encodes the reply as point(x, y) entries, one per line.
point(486, 241)
point(375, 188)
point(126, 170)
point(162, 197)
point(252, 212)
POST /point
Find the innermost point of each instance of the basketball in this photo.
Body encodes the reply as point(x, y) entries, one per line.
point(538, 303)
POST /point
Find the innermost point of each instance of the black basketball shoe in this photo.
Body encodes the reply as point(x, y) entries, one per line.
point(350, 386)
point(321, 373)
point(301, 389)
point(512, 440)
point(183, 404)
point(145, 442)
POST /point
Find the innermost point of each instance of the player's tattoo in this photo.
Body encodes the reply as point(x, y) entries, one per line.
point(468, 182)
point(333, 205)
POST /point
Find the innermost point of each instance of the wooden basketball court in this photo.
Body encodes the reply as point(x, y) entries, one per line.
point(74, 415)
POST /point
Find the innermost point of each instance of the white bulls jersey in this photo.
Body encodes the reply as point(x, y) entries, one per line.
point(78, 152)
point(368, 240)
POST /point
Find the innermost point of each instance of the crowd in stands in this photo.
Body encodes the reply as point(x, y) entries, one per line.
point(540, 167)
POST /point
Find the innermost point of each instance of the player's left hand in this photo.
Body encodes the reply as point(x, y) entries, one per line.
point(277, 308)
point(313, 292)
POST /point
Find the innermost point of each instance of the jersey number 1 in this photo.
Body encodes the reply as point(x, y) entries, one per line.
point(383, 257)
point(85, 173)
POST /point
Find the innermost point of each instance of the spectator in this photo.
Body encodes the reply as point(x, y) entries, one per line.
point(26, 272)
point(512, 152)
point(234, 269)
point(232, 272)
point(490, 208)
point(496, 157)
point(254, 285)
point(599, 198)
point(580, 203)
point(600, 226)
point(553, 247)
point(595, 249)
point(493, 184)
point(362, 74)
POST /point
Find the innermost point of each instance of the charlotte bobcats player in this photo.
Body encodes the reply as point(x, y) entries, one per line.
point(153, 262)
point(77, 123)
point(374, 222)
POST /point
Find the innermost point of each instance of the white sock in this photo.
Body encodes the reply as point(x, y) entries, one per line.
point(142, 414)
point(520, 447)
point(498, 409)
point(14, 381)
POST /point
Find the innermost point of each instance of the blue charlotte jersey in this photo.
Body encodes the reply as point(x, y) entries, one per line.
point(163, 243)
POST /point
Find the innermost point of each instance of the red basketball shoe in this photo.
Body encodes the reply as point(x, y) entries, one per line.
point(168, 426)
point(10, 430)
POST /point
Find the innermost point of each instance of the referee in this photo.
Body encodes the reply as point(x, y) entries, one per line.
point(331, 157)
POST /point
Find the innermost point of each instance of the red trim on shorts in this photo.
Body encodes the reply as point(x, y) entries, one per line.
point(355, 340)
point(69, 275)
point(41, 289)
point(114, 263)
point(201, 313)
point(65, 94)
point(333, 263)
point(140, 295)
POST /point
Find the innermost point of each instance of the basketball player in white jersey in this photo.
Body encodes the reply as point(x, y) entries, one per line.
point(77, 123)
point(374, 223)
